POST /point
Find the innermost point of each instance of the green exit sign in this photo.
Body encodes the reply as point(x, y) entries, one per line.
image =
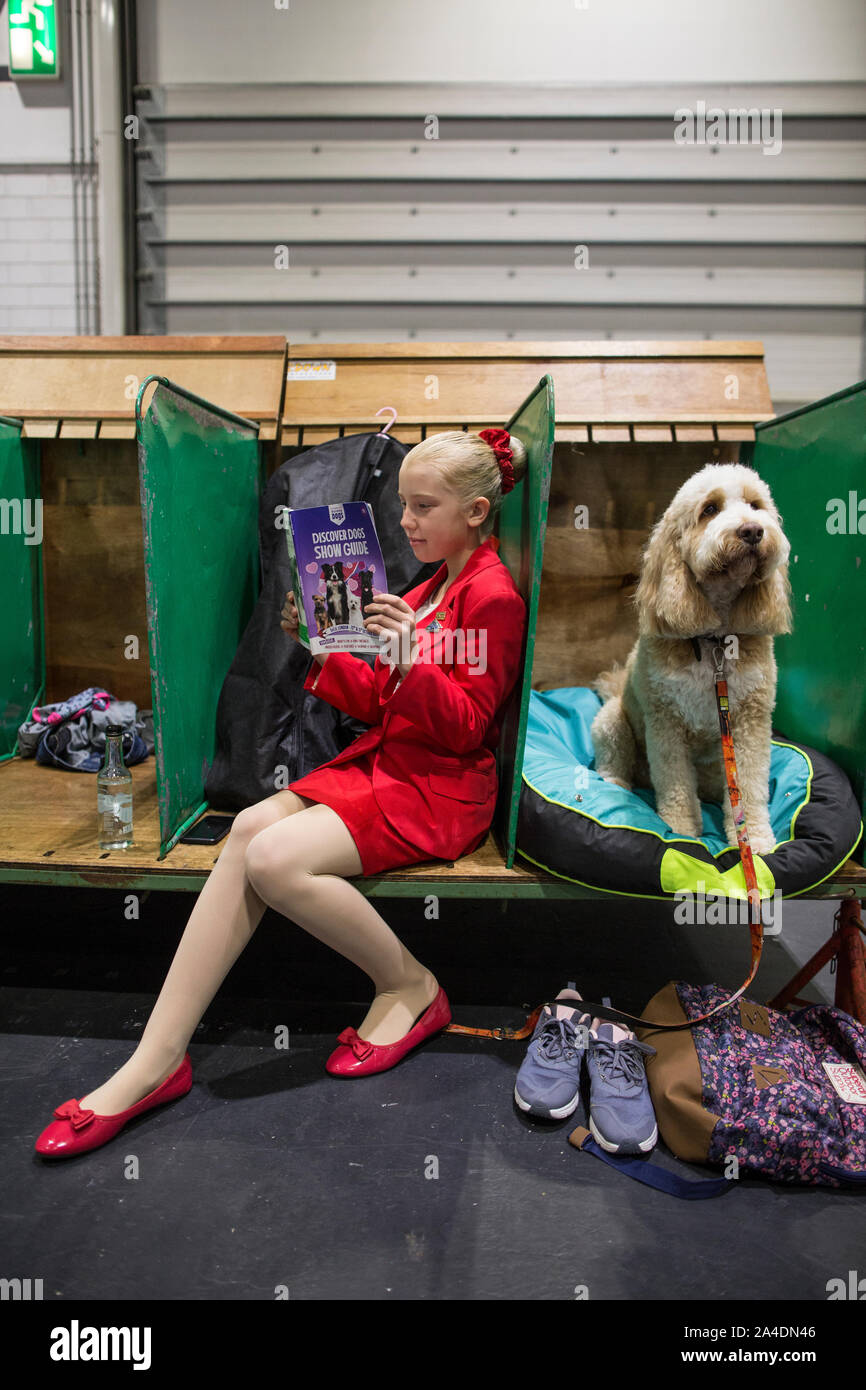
point(33, 46)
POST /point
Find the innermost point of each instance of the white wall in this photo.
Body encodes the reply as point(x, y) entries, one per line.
point(623, 41)
point(37, 260)
point(719, 242)
point(495, 57)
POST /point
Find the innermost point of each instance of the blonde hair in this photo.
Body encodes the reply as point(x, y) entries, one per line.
point(469, 468)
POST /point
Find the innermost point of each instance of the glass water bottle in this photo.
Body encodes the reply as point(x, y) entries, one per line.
point(114, 794)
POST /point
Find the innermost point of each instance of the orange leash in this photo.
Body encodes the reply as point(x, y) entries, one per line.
point(503, 1034)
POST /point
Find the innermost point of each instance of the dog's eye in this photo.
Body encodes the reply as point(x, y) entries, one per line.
point(756, 505)
point(710, 509)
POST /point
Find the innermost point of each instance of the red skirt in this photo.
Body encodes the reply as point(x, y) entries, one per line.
point(348, 790)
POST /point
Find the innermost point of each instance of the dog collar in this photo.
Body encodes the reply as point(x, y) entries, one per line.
point(705, 637)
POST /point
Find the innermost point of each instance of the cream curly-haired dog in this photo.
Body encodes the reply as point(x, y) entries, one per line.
point(714, 570)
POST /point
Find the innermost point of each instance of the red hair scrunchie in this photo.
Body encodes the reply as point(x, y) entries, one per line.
point(499, 443)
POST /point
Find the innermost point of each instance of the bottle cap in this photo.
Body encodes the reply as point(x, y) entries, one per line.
point(114, 728)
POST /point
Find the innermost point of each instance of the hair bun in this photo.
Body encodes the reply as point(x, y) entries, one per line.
point(517, 467)
point(519, 455)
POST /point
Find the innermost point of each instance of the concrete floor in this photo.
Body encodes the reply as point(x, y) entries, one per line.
point(271, 1173)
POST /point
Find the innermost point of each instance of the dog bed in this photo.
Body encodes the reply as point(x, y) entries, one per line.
point(575, 825)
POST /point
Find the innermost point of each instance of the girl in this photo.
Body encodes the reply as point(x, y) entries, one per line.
point(420, 783)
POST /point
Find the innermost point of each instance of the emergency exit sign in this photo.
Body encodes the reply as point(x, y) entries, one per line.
point(33, 47)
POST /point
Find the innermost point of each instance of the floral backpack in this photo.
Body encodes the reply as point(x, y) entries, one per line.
point(754, 1091)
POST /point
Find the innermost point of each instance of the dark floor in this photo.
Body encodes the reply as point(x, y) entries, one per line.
point(271, 1173)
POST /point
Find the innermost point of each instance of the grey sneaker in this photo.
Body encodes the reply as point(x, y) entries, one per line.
point(621, 1115)
point(548, 1082)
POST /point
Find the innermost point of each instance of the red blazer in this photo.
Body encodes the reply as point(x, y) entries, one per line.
point(436, 730)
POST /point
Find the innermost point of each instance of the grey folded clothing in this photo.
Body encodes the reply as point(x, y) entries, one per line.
point(71, 733)
point(87, 732)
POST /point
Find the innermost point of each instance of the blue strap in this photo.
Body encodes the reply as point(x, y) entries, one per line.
point(692, 1189)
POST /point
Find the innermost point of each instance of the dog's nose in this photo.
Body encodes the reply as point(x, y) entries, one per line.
point(751, 534)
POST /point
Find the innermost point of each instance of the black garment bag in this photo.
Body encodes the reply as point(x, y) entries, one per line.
point(269, 730)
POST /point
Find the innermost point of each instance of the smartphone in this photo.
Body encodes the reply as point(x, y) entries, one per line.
point(207, 831)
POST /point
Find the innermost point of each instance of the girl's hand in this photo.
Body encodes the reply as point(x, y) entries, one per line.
point(392, 617)
point(289, 616)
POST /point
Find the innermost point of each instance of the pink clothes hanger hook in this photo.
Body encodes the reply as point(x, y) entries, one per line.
point(391, 421)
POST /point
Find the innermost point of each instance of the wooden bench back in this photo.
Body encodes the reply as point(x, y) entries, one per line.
point(85, 388)
point(76, 399)
point(605, 391)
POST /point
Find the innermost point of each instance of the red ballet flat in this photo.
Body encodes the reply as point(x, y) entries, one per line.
point(357, 1057)
point(74, 1130)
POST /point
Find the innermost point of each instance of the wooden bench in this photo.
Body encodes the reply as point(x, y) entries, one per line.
point(48, 837)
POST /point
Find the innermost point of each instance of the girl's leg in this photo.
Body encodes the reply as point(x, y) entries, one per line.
point(226, 913)
point(299, 866)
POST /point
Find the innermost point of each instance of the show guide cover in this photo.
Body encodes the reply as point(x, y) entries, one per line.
point(337, 568)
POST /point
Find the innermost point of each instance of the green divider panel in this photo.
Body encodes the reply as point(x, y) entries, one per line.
point(22, 649)
point(814, 461)
point(199, 473)
point(522, 523)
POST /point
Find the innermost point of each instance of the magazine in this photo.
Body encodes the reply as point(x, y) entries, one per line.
point(337, 568)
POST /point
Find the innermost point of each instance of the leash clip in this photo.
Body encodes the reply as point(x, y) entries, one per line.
point(719, 661)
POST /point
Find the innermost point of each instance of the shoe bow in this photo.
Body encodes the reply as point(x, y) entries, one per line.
point(71, 1110)
point(359, 1046)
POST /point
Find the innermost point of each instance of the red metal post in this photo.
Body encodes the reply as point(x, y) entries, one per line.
point(851, 972)
point(847, 946)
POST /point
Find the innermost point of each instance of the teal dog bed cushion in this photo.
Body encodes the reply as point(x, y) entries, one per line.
point(579, 827)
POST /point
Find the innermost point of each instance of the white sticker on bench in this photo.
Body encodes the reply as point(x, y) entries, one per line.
point(312, 371)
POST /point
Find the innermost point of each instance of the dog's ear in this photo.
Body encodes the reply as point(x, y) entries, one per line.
point(764, 609)
point(669, 602)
